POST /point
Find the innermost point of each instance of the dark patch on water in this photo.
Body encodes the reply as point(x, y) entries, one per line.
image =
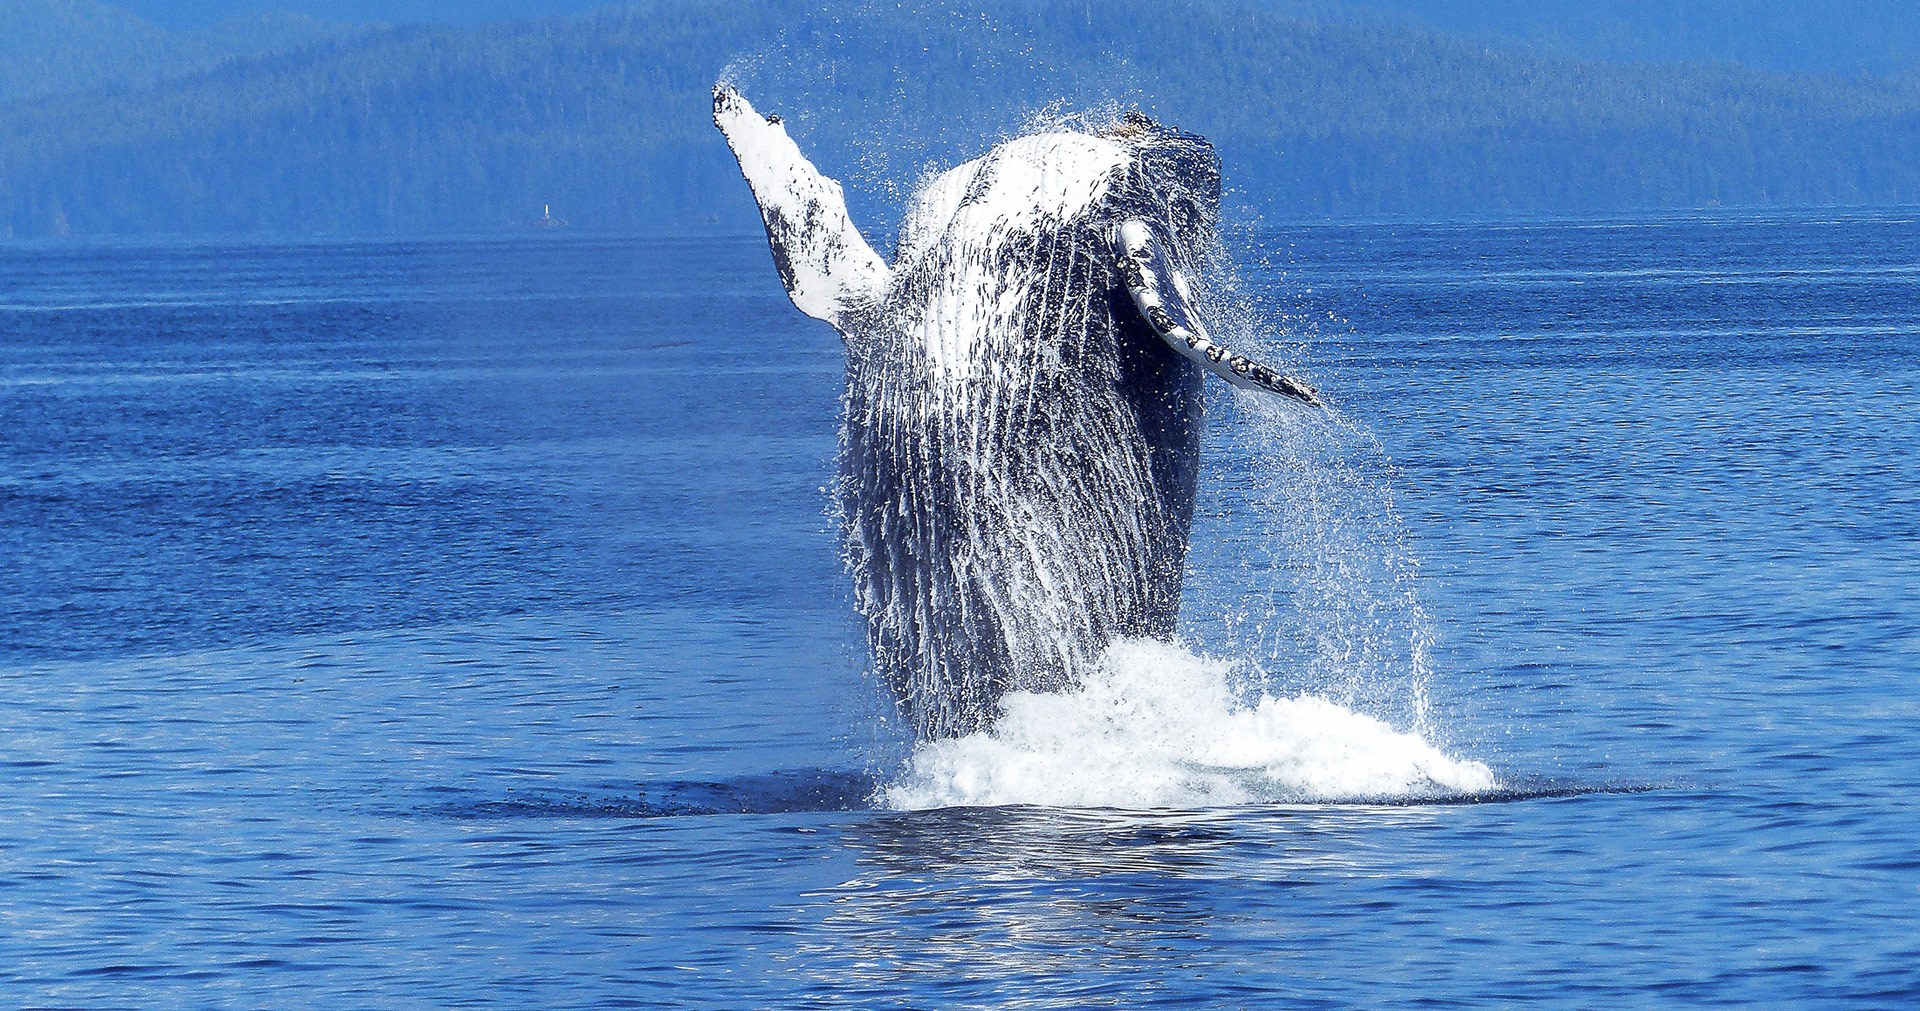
point(785, 792)
point(802, 791)
point(1526, 789)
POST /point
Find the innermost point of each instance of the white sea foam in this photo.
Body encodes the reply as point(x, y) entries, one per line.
point(1157, 725)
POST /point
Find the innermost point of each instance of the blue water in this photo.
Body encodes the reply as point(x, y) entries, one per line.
point(459, 623)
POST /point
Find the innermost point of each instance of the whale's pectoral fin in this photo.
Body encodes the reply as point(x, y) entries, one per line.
point(1161, 295)
point(829, 270)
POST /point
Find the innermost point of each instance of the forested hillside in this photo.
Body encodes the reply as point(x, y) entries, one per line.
point(606, 118)
point(1844, 37)
point(50, 47)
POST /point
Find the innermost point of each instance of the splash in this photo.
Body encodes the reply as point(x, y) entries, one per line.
point(1157, 725)
point(1307, 566)
point(1303, 565)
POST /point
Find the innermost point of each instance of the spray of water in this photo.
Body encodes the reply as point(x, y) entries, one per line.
point(1325, 592)
point(1303, 565)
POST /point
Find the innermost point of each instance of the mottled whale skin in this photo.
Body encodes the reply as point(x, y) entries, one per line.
point(1024, 403)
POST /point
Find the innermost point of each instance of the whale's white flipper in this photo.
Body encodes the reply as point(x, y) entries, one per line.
point(1161, 295)
point(829, 270)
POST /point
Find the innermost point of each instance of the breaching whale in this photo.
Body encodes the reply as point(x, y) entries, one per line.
point(1023, 407)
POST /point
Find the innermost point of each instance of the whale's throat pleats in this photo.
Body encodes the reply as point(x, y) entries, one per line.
point(1018, 469)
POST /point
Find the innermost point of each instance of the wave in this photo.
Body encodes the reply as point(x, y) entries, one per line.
point(1157, 725)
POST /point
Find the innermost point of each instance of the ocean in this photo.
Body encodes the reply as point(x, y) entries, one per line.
point(460, 623)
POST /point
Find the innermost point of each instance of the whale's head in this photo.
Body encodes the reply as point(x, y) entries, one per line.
point(1172, 179)
point(1072, 180)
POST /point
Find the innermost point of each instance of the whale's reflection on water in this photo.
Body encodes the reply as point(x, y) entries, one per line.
point(1058, 908)
point(1009, 843)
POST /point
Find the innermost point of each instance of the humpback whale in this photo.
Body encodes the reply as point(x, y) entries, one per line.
point(1023, 405)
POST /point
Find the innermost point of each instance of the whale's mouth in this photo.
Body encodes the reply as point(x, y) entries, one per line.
point(1158, 726)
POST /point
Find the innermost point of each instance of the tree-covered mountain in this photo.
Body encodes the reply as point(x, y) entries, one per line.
point(605, 116)
point(189, 15)
point(50, 47)
point(1843, 37)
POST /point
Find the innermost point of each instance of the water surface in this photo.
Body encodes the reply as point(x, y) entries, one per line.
point(458, 623)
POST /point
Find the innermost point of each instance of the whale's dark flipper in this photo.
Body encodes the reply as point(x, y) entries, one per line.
point(1159, 292)
point(829, 269)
